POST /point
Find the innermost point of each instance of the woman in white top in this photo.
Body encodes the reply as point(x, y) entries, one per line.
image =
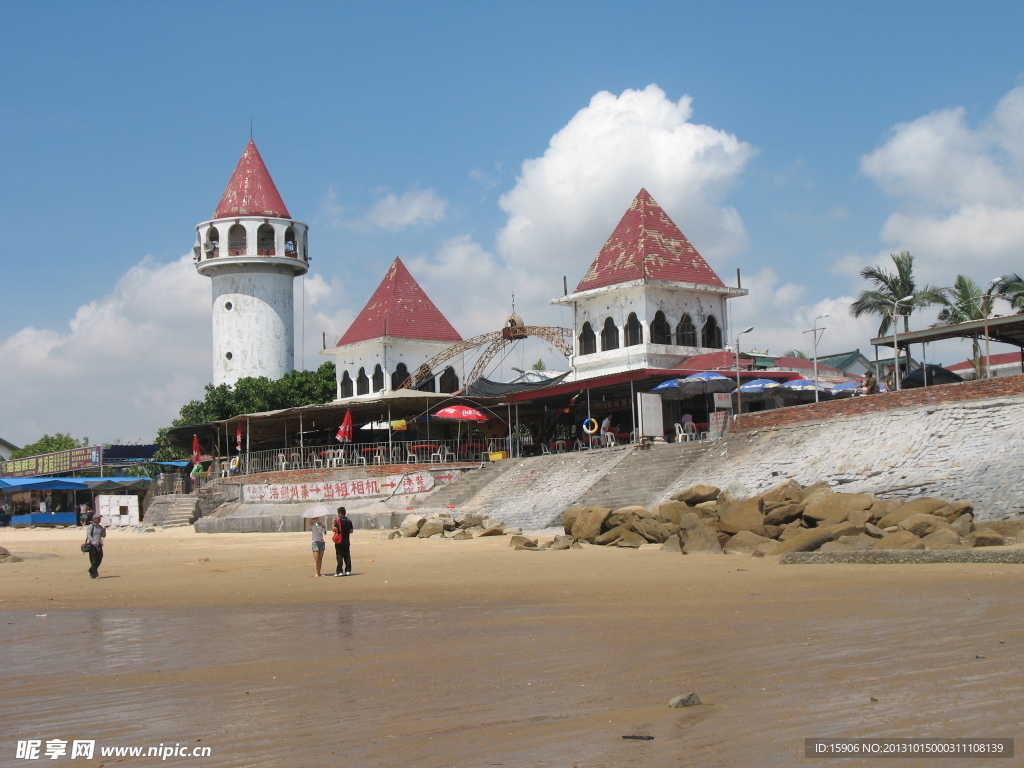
point(318, 546)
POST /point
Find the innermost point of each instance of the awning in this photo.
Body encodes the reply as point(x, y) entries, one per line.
point(10, 484)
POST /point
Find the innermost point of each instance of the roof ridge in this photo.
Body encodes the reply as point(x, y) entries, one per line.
point(647, 244)
point(251, 190)
point(400, 308)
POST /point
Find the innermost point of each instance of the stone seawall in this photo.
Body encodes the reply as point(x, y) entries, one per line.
point(969, 450)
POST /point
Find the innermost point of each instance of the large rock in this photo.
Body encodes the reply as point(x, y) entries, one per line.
point(899, 540)
point(940, 538)
point(897, 516)
point(785, 493)
point(858, 541)
point(925, 504)
point(951, 512)
point(612, 535)
point(569, 517)
point(784, 514)
point(984, 537)
point(411, 526)
point(617, 518)
point(689, 521)
point(742, 516)
point(921, 524)
point(859, 517)
point(883, 507)
point(651, 530)
point(672, 544)
point(744, 543)
point(792, 529)
point(431, 526)
point(820, 487)
point(522, 541)
point(695, 494)
point(588, 524)
point(700, 540)
point(835, 508)
point(670, 511)
point(806, 541)
point(491, 530)
point(468, 519)
point(631, 540)
point(963, 525)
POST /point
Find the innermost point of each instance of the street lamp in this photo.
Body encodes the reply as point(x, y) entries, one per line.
point(739, 392)
point(814, 330)
point(988, 343)
point(895, 344)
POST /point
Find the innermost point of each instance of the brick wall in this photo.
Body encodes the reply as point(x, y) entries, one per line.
point(982, 389)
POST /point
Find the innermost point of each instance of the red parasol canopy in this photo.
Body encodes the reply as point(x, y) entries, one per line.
point(345, 430)
point(196, 453)
point(238, 438)
point(460, 413)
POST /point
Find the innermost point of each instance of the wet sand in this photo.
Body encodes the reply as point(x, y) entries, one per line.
point(449, 653)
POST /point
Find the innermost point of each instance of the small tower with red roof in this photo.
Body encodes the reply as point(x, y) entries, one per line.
point(397, 331)
point(649, 299)
point(252, 250)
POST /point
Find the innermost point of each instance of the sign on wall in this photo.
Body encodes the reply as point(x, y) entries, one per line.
point(53, 463)
point(333, 490)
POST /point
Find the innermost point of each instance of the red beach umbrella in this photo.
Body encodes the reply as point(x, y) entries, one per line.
point(238, 438)
point(345, 430)
point(195, 449)
point(460, 413)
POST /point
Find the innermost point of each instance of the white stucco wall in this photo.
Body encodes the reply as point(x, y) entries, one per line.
point(388, 353)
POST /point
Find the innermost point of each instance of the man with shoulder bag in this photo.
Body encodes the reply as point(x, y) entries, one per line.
point(342, 536)
point(94, 535)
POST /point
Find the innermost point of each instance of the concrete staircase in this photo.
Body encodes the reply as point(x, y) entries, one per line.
point(642, 477)
point(466, 487)
point(175, 510)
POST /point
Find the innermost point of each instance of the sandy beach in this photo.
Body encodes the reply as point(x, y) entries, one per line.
point(468, 653)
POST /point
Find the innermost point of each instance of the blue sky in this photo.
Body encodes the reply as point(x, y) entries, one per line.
point(493, 147)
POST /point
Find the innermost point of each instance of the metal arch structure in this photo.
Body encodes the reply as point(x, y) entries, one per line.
point(495, 341)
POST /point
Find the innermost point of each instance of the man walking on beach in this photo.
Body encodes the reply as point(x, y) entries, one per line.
point(343, 529)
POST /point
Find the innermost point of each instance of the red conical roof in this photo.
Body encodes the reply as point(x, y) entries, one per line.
point(647, 244)
point(251, 191)
point(401, 309)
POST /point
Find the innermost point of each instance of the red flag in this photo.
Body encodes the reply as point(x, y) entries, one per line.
point(238, 438)
point(345, 430)
point(195, 449)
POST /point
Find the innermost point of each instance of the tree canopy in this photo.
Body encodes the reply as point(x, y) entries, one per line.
point(252, 395)
point(892, 287)
point(50, 444)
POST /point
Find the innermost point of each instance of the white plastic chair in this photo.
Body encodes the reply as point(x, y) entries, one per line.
point(608, 440)
point(680, 433)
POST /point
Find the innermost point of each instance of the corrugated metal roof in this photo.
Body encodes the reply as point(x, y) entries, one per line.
point(647, 244)
point(401, 309)
point(251, 191)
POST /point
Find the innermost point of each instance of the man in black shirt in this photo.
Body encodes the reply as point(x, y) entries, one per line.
point(342, 536)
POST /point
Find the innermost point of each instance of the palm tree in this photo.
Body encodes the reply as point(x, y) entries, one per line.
point(796, 353)
point(889, 290)
point(1011, 288)
point(963, 302)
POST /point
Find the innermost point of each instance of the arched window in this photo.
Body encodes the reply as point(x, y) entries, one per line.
point(212, 245)
point(661, 331)
point(399, 376)
point(588, 341)
point(346, 385)
point(449, 381)
point(609, 336)
point(290, 249)
point(378, 379)
point(686, 332)
point(711, 334)
point(265, 241)
point(634, 331)
point(236, 240)
point(362, 383)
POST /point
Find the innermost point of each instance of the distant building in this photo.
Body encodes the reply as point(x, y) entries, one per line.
point(649, 299)
point(6, 449)
point(397, 331)
point(1005, 364)
point(252, 249)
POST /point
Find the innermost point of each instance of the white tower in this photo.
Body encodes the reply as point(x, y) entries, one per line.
point(252, 249)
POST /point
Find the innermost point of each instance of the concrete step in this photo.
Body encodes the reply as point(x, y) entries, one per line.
point(642, 476)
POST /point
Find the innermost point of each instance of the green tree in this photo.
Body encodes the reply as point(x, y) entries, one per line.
point(251, 395)
point(1011, 288)
point(50, 444)
point(796, 353)
point(889, 287)
point(963, 302)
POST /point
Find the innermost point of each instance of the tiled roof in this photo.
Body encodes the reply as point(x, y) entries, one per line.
point(715, 361)
point(1005, 358)
point(802, 364)
point(840, 360)
point(399, 308)
point(251, 191)
point(647, 244)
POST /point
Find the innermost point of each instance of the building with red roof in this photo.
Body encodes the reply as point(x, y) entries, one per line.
point(252, 250)
point(397, 331)
point(648, 300)
point(1004, 364)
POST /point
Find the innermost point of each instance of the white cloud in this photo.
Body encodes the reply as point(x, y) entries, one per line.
point(961, 190)
point(123, 366)
point(418, 206)
point(566, 203)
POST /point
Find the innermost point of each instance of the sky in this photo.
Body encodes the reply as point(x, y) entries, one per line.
point(493, 147)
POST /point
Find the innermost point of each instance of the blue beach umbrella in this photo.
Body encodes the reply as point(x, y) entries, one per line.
point(803, 385)
point(757, 385)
